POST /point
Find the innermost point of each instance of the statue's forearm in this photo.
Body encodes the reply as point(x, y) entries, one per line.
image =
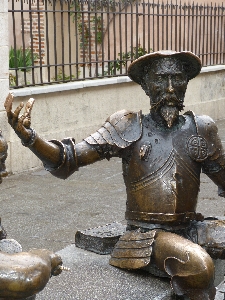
point(49, 153)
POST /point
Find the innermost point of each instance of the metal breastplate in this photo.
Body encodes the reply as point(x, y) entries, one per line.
point(161, 178)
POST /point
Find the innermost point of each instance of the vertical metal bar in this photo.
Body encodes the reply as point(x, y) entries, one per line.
point(219, 24)
point(180, 27)
point(184, 26)
point(208, 35)
point(158, 48)
point(47, 42)
point(102, 40)
point(31, 42)
point(188, 35)
point(153, 24)
point(176, 26)
point(84, 36)
point(76, 15)
point(24, 69)
point(215, 50)
point(120, 36)
point(39, 42)
point(223, 42)
point(211, 38)
point(137, 33)
point(167, 25)
point(171, 25)
point(87, 20)
point(144, 20)
point(69, 40)
point(55, 39)
point(192, 28)
point(96, 38)
point(108, 40)
point(131, 32)
point(62, 40)
point(200, 31)
point(222, 35)
point(126, 35)
point(203, 35)
point(196, 51)
point(149, 28)
point(114, 36)
point(163, 37)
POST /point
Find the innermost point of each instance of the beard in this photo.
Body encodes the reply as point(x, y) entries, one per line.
point(169, 114)
point(168, 107)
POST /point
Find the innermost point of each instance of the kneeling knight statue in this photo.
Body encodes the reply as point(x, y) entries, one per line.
point(163, 154)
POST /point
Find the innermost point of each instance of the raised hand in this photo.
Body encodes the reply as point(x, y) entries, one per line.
point(20, 123)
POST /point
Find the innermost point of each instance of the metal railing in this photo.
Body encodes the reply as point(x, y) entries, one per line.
point(54, 41)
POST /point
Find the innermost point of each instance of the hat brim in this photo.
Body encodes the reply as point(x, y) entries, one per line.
point(191, 63)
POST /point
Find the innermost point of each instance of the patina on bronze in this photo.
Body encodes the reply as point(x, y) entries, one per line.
point(163, 154)
point(24, 274)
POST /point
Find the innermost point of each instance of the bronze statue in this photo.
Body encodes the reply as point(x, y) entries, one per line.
point(162, 155)
point(24, 274)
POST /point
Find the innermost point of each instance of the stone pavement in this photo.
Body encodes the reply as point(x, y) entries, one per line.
point(41, 211)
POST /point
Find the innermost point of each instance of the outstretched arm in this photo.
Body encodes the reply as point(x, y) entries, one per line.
point(65, 157)
point(48, 152)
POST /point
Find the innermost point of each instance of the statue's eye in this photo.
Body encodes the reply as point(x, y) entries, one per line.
point(177, 80)
point(159, 78)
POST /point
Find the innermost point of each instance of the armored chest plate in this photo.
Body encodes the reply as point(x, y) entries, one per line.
point(161, 176)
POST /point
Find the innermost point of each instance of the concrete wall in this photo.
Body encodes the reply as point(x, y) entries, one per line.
point(4, 63)
point(77, 109)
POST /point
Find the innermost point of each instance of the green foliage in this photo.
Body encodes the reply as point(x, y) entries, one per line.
point(97, 21)
point(63, 77)
point(124, 57)
point(84, 29)
point(21, 59)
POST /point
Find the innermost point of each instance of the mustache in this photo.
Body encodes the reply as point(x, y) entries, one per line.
point(169, 98)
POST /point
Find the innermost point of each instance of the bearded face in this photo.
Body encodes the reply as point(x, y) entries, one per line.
point(166, 84)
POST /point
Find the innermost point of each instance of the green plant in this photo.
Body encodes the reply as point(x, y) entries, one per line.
point(97, 27)
point(63, 77)
point(124, 57)
point(21, 59)
point(84, 29)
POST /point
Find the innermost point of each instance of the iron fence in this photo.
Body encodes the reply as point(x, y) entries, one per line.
point(54, 41)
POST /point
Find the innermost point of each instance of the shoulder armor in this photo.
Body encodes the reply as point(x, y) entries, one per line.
point(120, 129)
point(207, 130)
point(127, 124)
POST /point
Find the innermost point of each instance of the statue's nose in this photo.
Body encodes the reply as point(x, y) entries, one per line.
point(170, 88)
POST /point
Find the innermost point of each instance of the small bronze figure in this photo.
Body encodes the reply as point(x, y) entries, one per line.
point(162, 154)
point(24, 274)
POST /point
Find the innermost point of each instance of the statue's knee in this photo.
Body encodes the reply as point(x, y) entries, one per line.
point(189, 265)
point(180, 257)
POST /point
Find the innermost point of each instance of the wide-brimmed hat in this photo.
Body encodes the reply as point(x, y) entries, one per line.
point(191, 63)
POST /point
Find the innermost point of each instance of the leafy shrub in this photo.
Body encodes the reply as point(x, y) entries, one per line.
point(21, 59)
point(124, 58)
